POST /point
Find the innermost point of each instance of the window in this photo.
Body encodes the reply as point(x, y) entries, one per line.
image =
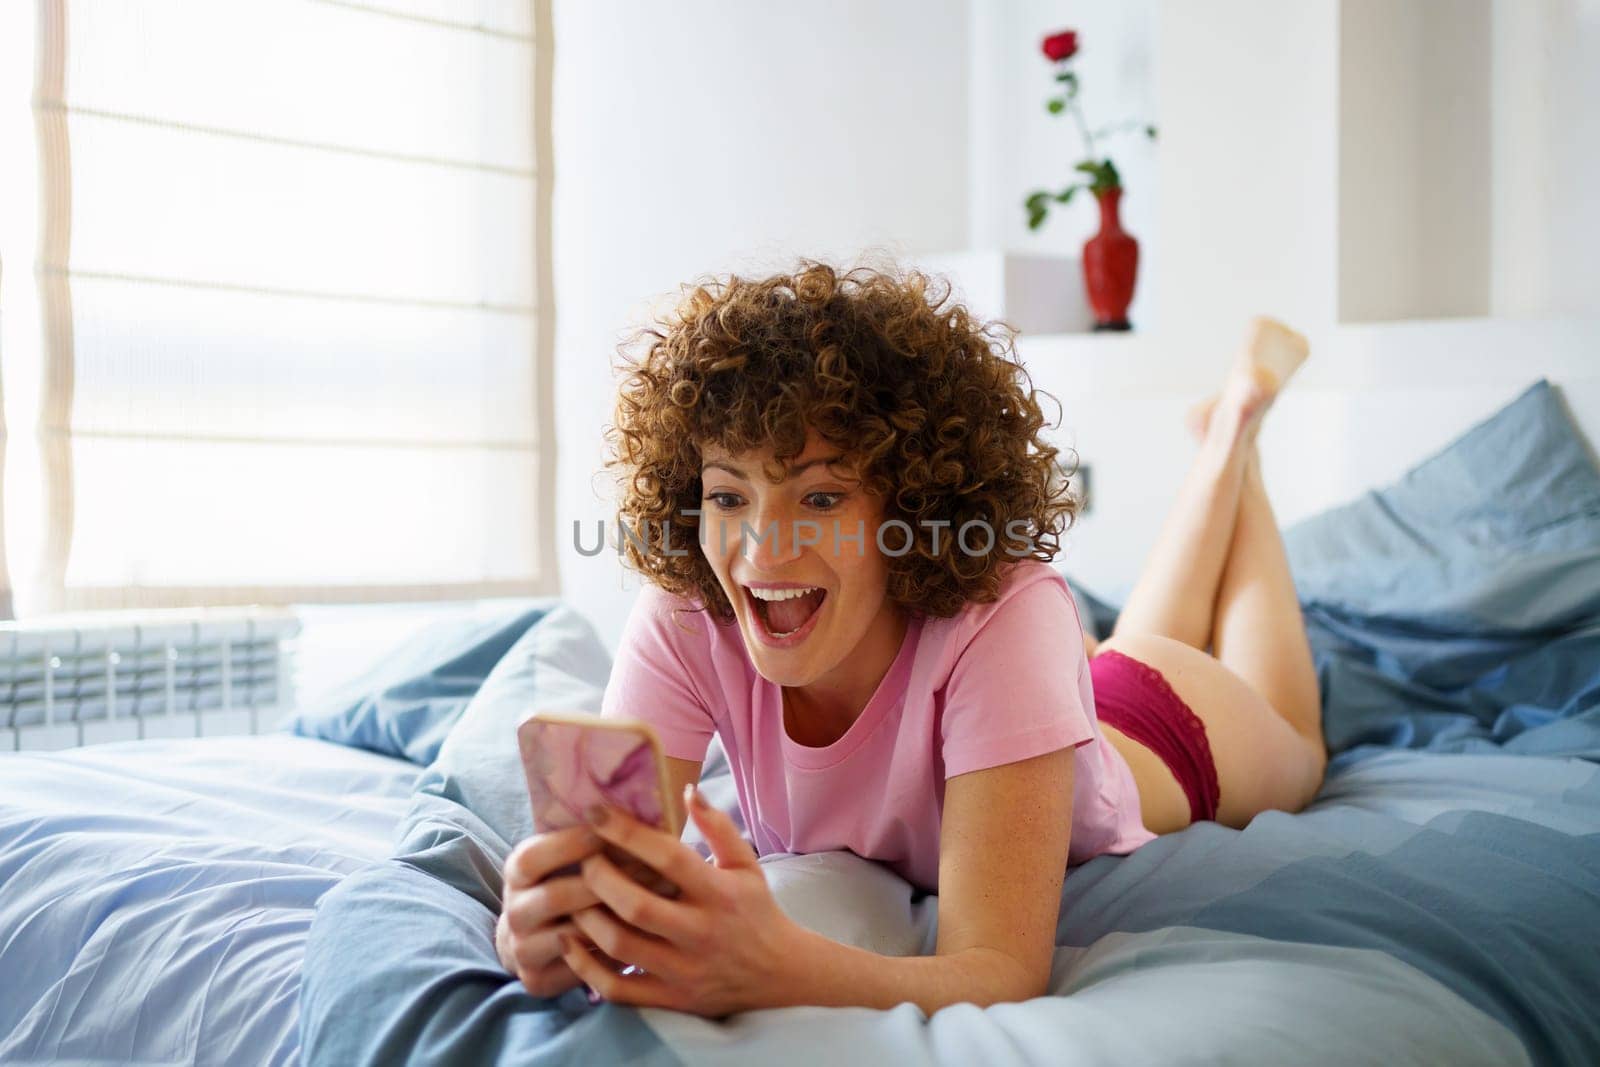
point(279, 326)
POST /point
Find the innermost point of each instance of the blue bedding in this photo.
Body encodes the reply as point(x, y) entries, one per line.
point(1429, 907)
point(155, 896)
point(1436, 904)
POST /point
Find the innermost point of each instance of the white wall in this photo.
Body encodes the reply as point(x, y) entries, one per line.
point(1251, 108)
point(1415, 153)
point(712, 135)
point(1545, 122)
point(1469, 152)
point(715, 135)
point(1249, 147)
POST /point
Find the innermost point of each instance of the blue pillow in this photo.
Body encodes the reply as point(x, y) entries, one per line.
point(1498, 530)
point(406, 704)
point(400, 962)
point(559, 664)
point(1458, 610)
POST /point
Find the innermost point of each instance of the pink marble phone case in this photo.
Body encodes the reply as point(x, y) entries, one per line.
point(575, 759)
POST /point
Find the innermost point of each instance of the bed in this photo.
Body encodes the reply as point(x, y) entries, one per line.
point(328, 893)
point(155, 896)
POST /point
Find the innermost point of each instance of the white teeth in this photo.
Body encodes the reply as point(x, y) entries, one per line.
point(781, 594)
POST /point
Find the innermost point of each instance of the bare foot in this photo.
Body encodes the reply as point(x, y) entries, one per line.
point(1273, 351)
point(1271, 354)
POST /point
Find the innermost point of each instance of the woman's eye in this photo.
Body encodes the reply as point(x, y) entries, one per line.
point(828, 501)
point(724, 501)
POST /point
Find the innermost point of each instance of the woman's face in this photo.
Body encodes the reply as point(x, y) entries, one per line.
point(816, 529)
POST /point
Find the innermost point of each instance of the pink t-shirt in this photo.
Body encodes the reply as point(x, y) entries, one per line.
point(997, 683)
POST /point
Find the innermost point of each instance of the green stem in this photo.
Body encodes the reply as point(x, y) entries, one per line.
point(1121, 127)
point(1083, 127)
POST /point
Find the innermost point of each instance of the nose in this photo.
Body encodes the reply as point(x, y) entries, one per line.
point(772, 539)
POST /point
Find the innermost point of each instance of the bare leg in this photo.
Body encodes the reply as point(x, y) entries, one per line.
point(1177, 588)
point(1176, 593)
point(1259, 632)
point(1258, 697)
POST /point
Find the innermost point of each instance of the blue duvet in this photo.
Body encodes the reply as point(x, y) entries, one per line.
point(155, 896)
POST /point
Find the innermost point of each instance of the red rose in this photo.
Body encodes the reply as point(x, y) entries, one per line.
point(1063, 45)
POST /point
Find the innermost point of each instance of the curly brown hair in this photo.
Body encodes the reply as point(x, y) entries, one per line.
point(928, 404)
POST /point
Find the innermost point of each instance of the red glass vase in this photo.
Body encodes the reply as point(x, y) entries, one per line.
point(1110, 266)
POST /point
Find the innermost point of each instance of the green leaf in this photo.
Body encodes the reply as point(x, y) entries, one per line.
point(1150, 132)
point(1056, 105)
point(1036, 200)
point(1065, 195)
point(1036, 218)
point(1089, 167)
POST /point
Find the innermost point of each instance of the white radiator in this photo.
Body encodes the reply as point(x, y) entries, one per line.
point(80, 680)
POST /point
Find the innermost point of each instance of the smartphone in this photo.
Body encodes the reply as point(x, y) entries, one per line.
point(575, 759)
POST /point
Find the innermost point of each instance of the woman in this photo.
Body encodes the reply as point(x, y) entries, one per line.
point(847, 511)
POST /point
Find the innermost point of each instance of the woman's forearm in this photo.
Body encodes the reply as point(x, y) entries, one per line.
point(825, 972)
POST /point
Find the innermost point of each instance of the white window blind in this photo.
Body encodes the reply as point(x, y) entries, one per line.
point(294, 278)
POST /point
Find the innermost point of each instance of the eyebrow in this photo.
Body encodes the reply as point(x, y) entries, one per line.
point(793, 471)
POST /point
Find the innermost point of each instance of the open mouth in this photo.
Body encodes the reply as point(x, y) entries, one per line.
point(785, 618)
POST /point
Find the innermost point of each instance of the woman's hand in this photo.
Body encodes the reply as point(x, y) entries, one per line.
point(723, 945)
point(535, 908)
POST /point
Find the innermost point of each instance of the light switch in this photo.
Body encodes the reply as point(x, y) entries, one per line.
point(1078, 485)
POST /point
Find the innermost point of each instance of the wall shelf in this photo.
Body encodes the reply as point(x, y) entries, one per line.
point(1094, 364)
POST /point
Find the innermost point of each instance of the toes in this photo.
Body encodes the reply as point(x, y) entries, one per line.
point(1273, 351)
